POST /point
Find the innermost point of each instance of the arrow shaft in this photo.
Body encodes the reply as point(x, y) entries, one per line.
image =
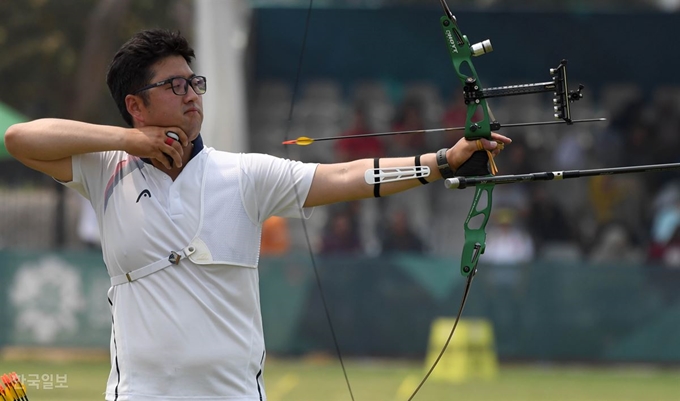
point(464, 182)
point(428, 131)
point(420, 131)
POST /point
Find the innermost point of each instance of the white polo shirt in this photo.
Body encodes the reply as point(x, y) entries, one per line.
point(189, 331)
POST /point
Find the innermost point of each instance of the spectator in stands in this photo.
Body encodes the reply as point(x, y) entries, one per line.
point(351, 149)
point(667, 253)
point(546, 220)
point(617, 199)
point(454, 115)
point(399, 236)
point(606, 194)
point(509, 247)
point(615, 244)
point(623, 139)
point(409, 117)
point(275, 237)
point(508, 242)
point(667, 213)
point(341, 234)
point(665, 126)
point(516, 161)
point(665, 231)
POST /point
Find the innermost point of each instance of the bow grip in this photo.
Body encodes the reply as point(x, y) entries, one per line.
point(477, 165)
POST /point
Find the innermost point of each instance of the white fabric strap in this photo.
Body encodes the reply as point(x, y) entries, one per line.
point(134, 275)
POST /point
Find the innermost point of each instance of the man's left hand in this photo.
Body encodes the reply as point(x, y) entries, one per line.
point(463, 149)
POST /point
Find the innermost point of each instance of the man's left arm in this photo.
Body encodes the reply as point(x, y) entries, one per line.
point(341, 182)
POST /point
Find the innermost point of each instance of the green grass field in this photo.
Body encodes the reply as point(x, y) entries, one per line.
point(298, 380)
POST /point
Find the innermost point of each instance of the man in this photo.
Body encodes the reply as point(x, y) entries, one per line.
point(180, 223)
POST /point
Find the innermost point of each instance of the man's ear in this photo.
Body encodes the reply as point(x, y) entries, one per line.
point(135, 106)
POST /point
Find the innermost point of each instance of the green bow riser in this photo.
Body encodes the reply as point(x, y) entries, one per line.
point(475, 224)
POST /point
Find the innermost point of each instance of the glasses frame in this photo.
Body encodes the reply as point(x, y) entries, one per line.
point(187, 82)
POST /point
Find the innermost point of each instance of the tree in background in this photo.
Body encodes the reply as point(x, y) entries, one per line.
point(54, 54)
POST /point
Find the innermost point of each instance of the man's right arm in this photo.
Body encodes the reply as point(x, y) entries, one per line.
point(47, 145)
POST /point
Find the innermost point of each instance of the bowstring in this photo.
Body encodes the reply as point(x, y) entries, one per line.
point(317, 277)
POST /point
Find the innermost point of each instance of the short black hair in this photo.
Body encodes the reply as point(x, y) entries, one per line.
point(130, 68)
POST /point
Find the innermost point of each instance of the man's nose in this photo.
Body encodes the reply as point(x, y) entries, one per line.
point(191, 94)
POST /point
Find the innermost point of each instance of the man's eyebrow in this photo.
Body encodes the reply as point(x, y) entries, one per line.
point(177, 76)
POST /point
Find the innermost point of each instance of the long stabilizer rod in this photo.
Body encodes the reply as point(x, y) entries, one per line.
point(464, 182)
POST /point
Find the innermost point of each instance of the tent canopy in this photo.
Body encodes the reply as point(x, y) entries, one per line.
point(8, 117)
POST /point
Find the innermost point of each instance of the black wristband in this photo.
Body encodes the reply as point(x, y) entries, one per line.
point(421, 179)
point(376, 187)
point(443, 165)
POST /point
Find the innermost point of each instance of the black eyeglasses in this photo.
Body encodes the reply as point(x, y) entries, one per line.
point(180, 85)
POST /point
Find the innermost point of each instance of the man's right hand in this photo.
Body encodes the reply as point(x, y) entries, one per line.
point(153, 143)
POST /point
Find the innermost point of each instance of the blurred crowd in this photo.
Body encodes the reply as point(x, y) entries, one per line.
point(617, 219)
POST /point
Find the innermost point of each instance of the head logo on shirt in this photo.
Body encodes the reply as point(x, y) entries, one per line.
point(123, 168)
point(144, 193)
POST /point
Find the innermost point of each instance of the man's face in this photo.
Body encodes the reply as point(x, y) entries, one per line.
point(164, 108)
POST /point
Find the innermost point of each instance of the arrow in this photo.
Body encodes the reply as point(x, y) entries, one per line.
point(304, 141)
point(14, 388)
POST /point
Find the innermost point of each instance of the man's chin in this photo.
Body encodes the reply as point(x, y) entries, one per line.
point(194, 134)
point(193, 129)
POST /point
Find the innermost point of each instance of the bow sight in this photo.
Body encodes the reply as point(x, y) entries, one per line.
point(474, 95)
